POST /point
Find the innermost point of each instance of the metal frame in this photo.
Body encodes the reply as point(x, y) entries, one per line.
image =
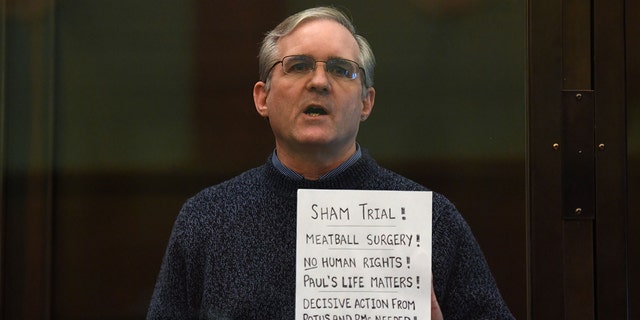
point(577, 160)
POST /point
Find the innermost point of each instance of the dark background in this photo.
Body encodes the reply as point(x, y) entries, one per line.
point(117, 111)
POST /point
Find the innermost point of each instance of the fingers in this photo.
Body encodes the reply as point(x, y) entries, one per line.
point(436, 313)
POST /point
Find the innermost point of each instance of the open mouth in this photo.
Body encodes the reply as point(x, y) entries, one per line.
point(315, 111)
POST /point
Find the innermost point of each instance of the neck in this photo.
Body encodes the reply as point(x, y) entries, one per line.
point(313, 164)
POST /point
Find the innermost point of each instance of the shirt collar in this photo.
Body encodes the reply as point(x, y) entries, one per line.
point(296, 176)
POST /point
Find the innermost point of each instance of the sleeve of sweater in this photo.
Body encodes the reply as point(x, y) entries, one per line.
point(176, 294)
point(463, 283)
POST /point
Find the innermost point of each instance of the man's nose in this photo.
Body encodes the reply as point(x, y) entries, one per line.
point(319, 78)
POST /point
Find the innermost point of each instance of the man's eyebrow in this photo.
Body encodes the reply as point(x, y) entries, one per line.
point(342, 58)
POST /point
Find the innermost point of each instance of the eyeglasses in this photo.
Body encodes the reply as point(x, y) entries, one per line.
point(337, 67)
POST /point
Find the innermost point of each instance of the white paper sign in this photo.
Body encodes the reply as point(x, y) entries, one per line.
point(363, 255)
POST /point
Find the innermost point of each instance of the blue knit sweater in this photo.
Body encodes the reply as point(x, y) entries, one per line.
point(231, 254)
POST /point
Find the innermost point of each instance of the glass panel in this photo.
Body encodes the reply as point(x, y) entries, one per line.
point(633, 123)
point(154, 103)
point(124, 130)
point(633, 158)
point(26, 154)
point(450, 113)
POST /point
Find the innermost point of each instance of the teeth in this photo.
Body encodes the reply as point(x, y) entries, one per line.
point(315, 112)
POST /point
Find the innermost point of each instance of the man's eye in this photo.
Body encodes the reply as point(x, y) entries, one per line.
point(298, 67)
point(341, 70)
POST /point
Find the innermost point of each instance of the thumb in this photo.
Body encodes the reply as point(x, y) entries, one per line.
point(436, 313)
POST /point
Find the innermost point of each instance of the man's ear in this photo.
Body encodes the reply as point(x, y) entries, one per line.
point(367, 103)
point(260, 94)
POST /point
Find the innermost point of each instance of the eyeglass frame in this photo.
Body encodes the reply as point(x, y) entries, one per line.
point(362, 76)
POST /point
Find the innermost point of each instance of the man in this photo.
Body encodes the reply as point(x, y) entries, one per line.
point(232, 251)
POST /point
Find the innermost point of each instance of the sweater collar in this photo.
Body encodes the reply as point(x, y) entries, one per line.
point(335, 172)
point(352, 177)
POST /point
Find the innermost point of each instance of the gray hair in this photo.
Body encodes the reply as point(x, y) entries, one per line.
point(269, 50)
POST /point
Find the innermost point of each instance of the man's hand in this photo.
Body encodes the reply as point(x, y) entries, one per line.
point(436, 313)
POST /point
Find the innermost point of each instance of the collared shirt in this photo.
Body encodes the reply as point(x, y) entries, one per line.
point(294, 175)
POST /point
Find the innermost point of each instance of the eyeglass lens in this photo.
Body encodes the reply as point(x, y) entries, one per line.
point(339, 68)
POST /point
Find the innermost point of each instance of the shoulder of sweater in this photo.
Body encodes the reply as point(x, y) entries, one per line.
point(205, 210)
point(240, 181)
point(391, 180)
point(443, 208)
point(224, 192)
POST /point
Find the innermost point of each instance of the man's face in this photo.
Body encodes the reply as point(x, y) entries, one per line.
point(315, 110)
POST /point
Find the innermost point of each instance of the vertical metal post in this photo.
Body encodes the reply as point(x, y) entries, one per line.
point(28, 155)
point(577, 161)
point(578, 209)
point(611, 253)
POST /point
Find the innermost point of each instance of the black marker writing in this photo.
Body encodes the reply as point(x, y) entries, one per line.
point(332, 239)
point(372, 213)
point(400, 239)
point(391, 282)
point(382, 262)
point(329, 213)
